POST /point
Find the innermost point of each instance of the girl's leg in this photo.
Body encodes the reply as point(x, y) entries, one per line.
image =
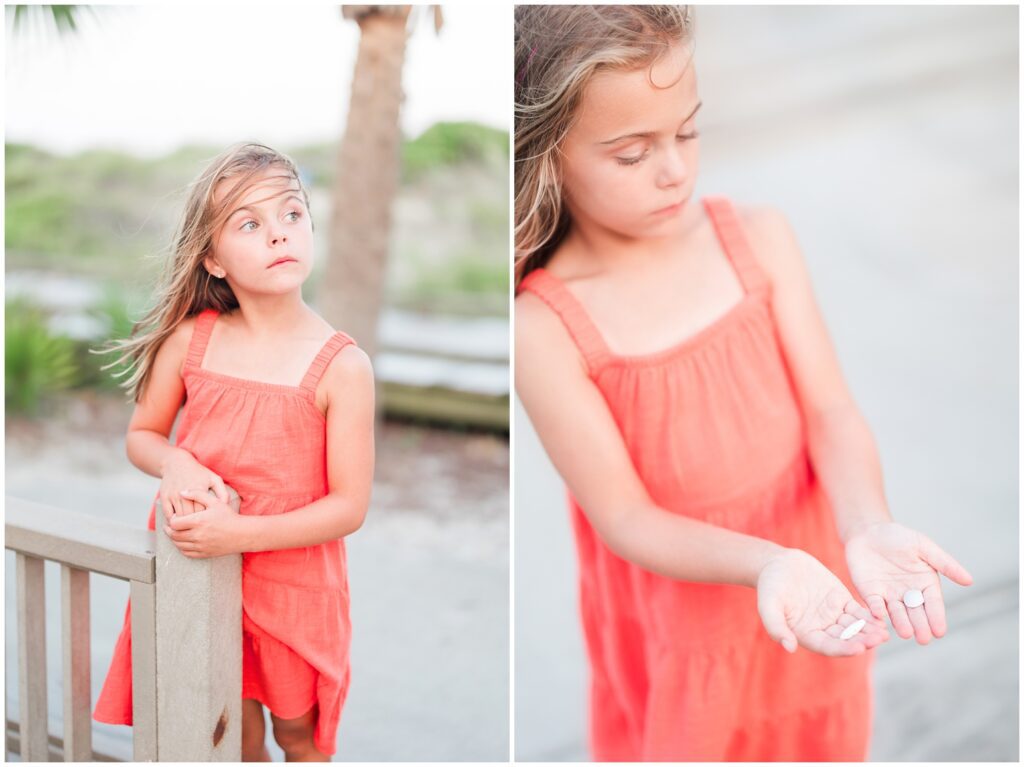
point(295, 737)
point(254, 732)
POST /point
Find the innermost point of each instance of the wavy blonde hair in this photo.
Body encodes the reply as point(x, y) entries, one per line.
point(186, 288)
point(558, 48)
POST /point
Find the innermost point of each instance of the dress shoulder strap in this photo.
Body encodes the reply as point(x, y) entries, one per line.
point(735, 243)
point(200, 337)
point(334, 344)
point(556, 295)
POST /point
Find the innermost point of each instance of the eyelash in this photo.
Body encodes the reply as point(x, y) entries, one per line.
point(295, 213)
point(635, 160)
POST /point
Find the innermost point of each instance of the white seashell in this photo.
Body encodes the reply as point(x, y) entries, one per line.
point(853, 629)
point(913, 598)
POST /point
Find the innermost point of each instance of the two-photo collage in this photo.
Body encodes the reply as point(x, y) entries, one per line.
point(500, 383)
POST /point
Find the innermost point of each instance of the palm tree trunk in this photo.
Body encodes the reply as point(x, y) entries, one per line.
point(366, 177)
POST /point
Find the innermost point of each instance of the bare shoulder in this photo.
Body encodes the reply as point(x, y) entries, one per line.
point(348, 377)
point(540, 334)
point(543, 343)
point(772, 239)
point(175, 347)
point(532, 313)
point(350, 367)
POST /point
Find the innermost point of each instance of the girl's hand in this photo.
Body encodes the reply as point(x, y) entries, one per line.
point(887, 559)
point(184, 472)
point(214, 531)
point(803, 602)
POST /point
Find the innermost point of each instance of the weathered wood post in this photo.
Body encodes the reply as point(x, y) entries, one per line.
point(198, 655)
point(34, 732)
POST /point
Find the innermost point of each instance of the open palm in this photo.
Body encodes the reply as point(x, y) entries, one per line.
point(886, 560)
point(803, 602)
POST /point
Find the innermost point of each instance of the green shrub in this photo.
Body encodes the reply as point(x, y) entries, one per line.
point(466, 272)
point(449, 143)
point(116, 315)
point(38, 363)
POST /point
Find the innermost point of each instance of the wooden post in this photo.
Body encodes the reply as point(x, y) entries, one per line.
point(74, 584)
point(198, 655)
point(144, 674)
point(34, 734)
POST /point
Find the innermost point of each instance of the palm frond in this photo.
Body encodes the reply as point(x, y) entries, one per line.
point(65, 18)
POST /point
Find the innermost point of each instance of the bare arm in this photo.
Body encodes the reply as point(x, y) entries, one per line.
point(841, 446)
point(568, 411)
point(798, 599)
point(350, 461)
point(887, 561)
point(147, 442)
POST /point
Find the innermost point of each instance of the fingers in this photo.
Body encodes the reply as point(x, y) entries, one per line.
point(935, 608)
point(919, 620)
point(900, 620)
point(165, 504)
point(178, 536)
point(182, 522)
point(774, 621)
point(877, 607)
point(199, 499)
point(856, 611)
point(824, 643)
point(184, 542)
point(871, 635)
point(219, 489)
point(944, 563)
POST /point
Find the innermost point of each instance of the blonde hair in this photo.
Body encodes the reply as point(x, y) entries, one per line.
point(186, 288)
point(558, 48)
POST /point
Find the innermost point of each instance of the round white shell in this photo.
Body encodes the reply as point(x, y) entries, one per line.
point(913, 598)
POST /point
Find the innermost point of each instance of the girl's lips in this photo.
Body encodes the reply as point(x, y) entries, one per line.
point(670, 209)
point(282, 261)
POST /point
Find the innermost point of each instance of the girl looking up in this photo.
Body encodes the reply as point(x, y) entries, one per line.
point(274, 452)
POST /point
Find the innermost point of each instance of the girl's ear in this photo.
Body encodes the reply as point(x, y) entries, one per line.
point(213, 267)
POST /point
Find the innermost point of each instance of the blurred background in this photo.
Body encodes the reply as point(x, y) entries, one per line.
point(110, 112)
point(889, 137)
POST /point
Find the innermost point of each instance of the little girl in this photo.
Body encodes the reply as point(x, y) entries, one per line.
point(276, 405)
point(671, 357)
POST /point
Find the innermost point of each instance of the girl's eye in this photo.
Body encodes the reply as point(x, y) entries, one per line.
point(295, 213)
point(243, 226)
point(634, 160)
point(631, 160)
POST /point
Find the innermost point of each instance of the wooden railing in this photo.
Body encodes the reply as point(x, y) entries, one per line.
point(186, 623)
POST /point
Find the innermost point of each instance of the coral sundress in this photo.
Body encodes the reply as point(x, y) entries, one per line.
point(683, 670)
point(268, 441)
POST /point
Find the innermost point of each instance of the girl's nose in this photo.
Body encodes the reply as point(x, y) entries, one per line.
point(278, 237)
point(672, 171)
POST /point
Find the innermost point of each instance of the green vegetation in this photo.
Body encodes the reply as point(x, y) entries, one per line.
point(451, 143)
point(116, 315)
point(37, 363)
point(109, 216)
point(41, 363)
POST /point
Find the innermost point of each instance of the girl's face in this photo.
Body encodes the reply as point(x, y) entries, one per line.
point(629, 163)
point(266, 244)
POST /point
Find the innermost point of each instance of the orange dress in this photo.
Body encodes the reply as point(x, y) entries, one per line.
point(267, 441)
point(686, 671)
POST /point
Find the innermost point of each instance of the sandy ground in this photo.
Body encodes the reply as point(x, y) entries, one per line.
point(428, 574)
point(888, 135)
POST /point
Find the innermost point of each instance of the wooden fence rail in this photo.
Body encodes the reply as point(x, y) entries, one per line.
point(186, 638)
